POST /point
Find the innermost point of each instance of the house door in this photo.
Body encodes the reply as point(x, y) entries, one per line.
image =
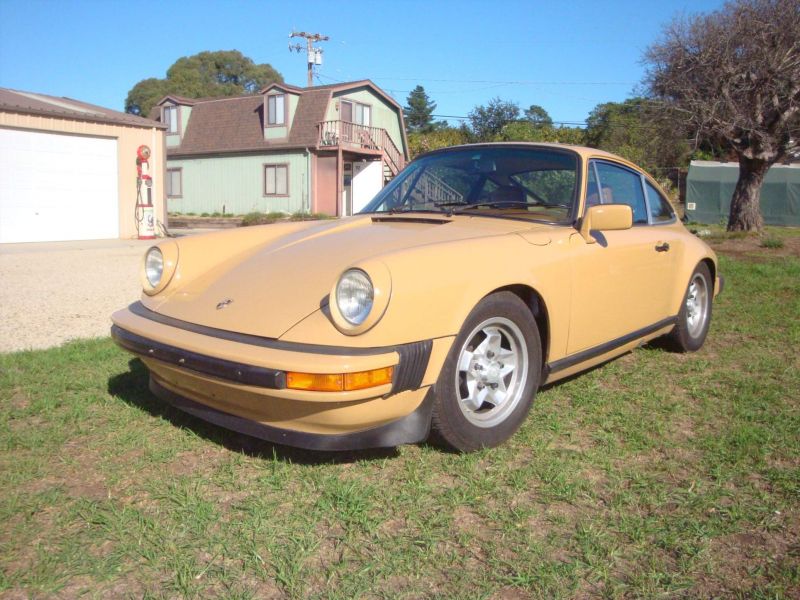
point(367, 181)
point(347, 189)
point(347, 112)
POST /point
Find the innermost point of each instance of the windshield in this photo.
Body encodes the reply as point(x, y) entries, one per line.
point(532, 183)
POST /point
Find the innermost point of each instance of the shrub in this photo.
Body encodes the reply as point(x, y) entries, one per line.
point(304, 216)
point(259, 218)
point(772, 242)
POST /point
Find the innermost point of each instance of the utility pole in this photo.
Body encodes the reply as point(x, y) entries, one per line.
point(314, 54)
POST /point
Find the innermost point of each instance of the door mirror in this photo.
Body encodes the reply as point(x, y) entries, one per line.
point(605, 217)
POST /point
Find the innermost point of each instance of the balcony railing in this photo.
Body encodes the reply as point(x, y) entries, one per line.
point(361, 137)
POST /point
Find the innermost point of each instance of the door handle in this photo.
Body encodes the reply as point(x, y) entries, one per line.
point(663, 247)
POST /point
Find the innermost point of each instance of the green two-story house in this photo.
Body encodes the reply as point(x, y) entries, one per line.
point(326, 149)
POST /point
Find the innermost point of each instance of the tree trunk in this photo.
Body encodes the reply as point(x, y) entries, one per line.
point(745, 212)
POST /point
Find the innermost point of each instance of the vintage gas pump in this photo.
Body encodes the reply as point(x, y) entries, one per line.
point(145, 214)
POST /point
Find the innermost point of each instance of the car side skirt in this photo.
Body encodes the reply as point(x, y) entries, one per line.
point(411, 429)
point(590, 354)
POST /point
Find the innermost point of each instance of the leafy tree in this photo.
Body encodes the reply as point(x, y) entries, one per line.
point(207, 74)
point(486, 122)
point(635, 130)
point(538, 115)
point(441, 137)
point(419, 110)
point(733, 75)
point(526, 131)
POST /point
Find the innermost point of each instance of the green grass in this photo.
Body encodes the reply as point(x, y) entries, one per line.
point(656, 475)
point(771, 241)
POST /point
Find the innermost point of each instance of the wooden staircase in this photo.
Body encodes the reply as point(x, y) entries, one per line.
point(374, 140)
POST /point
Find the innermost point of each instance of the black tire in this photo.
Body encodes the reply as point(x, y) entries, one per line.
point(689, 334)
point(505, 392)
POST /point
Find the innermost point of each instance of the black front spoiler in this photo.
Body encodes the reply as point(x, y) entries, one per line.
point(411, 429)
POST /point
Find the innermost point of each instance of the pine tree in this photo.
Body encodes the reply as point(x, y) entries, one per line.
point(419, 111)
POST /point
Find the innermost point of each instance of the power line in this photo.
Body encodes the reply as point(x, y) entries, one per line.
point(509, 82)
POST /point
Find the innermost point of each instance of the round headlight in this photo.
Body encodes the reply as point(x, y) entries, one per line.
point(154, 266)
point(354, 296)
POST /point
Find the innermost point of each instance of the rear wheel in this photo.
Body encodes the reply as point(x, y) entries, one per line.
point(694, 317)
point(487, 384)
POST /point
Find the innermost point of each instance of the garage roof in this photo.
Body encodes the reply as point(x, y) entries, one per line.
point(67, 108)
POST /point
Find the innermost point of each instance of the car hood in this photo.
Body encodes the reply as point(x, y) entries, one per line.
point(270, 288)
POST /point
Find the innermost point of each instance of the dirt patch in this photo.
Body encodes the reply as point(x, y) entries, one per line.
point(509, 593)
point(467, 522)
point(193, 462)
point(745, 560)
point(750, 247)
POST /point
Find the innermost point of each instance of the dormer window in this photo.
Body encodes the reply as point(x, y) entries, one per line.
point(276, 110)
point(171, 119)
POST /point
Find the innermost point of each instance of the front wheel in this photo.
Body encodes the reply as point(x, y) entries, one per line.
point(488, 381)
point(694, 317)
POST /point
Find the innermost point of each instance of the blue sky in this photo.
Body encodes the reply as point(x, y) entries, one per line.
point(564, 56)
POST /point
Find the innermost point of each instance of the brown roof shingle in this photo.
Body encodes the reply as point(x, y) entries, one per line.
point(221, 125)
point(54, 106)
point(237, 125)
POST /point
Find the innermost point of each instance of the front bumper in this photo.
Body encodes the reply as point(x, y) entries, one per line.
point(240, 383)
point(410, 429)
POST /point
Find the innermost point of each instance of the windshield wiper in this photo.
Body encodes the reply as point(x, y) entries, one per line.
point(408, 209)
point(496, 204)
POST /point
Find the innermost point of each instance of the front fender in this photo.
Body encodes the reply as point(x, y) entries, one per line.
point(435, 287)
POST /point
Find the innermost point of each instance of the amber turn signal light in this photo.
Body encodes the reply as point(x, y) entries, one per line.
point(339, 382)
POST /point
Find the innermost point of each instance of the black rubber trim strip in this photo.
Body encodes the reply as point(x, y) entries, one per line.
point(583, 355)
point(410, 429)
point(721, 284)
point(402, 219)
point(141, 310)
point(200, 363)
point(413, 364)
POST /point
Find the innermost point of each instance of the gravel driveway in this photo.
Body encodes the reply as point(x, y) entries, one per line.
point(54, 292)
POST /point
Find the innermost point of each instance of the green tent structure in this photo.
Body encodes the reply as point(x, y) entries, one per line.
point(709, 188)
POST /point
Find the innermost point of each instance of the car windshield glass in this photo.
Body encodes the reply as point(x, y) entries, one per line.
point(533, 183)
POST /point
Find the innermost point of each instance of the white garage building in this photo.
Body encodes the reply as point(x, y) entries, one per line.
point(68, 169)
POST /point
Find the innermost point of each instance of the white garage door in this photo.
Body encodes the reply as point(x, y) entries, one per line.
point(57, 187)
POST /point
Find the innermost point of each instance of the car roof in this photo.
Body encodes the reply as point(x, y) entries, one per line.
point(584, 151)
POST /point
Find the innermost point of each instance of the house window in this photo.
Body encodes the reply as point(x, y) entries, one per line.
point(174, 183)
point(171, 118)
point(354, 112)
point(276, 180)
point(276, 109)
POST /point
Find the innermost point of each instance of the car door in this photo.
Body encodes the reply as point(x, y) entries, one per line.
point(620, 284)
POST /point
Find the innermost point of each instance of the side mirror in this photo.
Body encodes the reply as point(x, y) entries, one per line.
point(605, 217)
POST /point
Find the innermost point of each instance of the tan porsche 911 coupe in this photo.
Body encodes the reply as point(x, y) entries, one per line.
point(477, 275)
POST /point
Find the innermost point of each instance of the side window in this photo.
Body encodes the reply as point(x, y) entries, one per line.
point(592, 191)
point(660, 209)
point(621, 186)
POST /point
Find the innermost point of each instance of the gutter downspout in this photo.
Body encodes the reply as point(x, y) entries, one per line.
point(308, 180)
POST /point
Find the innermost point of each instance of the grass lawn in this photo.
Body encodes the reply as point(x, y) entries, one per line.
point(655, 475)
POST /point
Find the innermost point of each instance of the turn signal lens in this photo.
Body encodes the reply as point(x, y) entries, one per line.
point(339, 382)
point(314, 381)
point(368, 379)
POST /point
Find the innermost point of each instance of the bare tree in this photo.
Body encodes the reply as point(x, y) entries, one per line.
point(734, 76)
